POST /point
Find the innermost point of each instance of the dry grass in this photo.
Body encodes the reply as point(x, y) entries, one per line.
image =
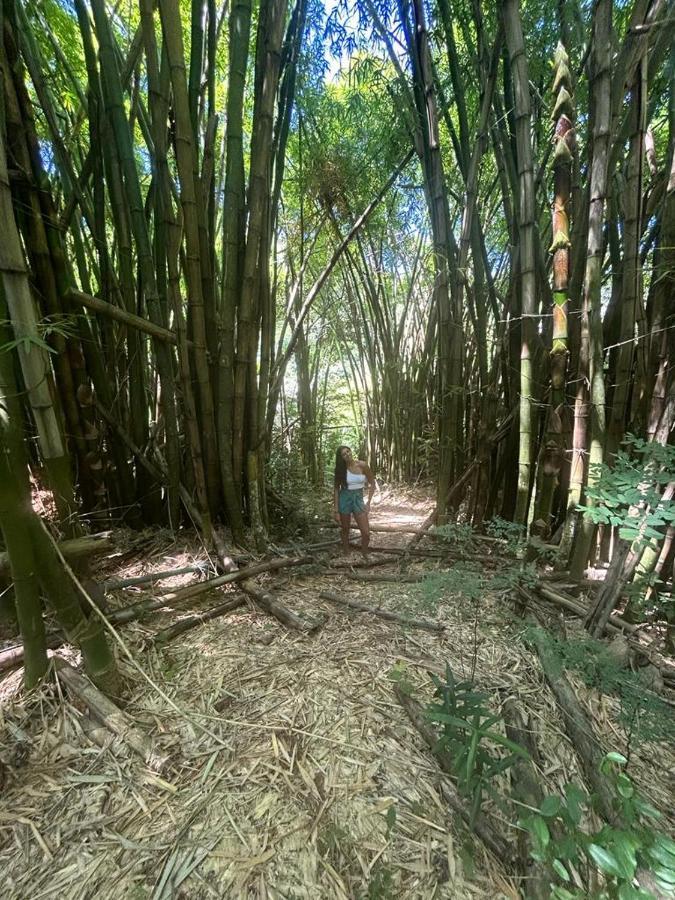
point(296, 800)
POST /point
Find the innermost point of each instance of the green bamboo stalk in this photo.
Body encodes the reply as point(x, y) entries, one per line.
point(33, 357)
point(14, 503)
point(232, 252)
point(592, 312)
point(553, 449)
point(516, 48)
point(268, 47)
point(196, 62)
point(625, 380)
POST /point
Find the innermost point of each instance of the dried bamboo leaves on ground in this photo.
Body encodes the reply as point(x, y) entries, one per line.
point(319, 786)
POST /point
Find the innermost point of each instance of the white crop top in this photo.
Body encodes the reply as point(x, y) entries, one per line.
point(355, 481)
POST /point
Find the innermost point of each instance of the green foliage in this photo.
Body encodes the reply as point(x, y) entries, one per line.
point(381, 883)
point(510, 577)
point(398, 674)
point(459, 534)
point(511, 532)
point(464, 579)
point(558, 839)
point(642, 712)
point(60, 325)
point(629, 494)
point(468, 736)
point(26, 342)
point(469, 581)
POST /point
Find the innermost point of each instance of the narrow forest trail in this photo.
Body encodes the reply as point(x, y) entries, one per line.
point(311, 782)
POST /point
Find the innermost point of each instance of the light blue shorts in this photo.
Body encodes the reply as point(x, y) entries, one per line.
point(351, 502)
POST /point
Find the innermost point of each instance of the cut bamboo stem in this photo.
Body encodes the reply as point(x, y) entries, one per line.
point(104, 711)
point(168, 634)
point(272, 606)
point(382, 613)
point(74, 549)
point(121, 315)
point(115, 584)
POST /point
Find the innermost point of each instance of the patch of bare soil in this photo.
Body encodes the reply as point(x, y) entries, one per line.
point(294, 772)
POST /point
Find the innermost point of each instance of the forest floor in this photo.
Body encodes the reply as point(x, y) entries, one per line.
point(293, 771)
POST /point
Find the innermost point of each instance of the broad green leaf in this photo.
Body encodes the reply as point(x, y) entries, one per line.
point(510, 745)
point(550, 806)
point(604, 860)
point(615, 757)
point(540, 830)
point(561, 870)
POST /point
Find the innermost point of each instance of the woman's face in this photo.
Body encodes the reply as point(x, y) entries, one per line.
point(346, 454)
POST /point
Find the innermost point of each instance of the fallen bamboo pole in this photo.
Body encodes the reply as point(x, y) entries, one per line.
point(277, 609)
point(382, 613)
point(168, 634)
point(193, 590)
point(580, 609)
point(13, 656)
point(384, 529)
point(115, 584)
point(577, 725)
point(79, 298)
point(74, 549)
point(104, 711)
point(527, 791)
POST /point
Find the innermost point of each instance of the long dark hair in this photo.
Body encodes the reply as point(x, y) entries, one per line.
point(340, 468)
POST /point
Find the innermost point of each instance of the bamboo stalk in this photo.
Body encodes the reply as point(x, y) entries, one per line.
point(577, 725)
point(110, 715)
point(116, 584)
point(178, 628)
point(382, 613)
point(277, 609)
point(79, 298)
point(14, 656)
point(74, 549)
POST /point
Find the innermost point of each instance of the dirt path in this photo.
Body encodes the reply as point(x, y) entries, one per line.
point(318, 787)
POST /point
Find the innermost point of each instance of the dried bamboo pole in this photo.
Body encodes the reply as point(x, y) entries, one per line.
point(73, 549)
point(173, 631)
point(13, 657)
point(382, 613)
point(146, 326)
point(272, 606)
point(105, 712)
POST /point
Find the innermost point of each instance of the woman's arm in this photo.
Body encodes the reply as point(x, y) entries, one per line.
point(336, 514)
point(371, 482)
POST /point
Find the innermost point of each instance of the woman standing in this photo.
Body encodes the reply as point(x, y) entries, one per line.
point(351, 477)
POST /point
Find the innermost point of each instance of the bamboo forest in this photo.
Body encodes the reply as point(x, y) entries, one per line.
point(337, 449)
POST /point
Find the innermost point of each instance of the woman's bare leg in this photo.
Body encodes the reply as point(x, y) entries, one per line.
point(364, 528)
point(345, 522)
